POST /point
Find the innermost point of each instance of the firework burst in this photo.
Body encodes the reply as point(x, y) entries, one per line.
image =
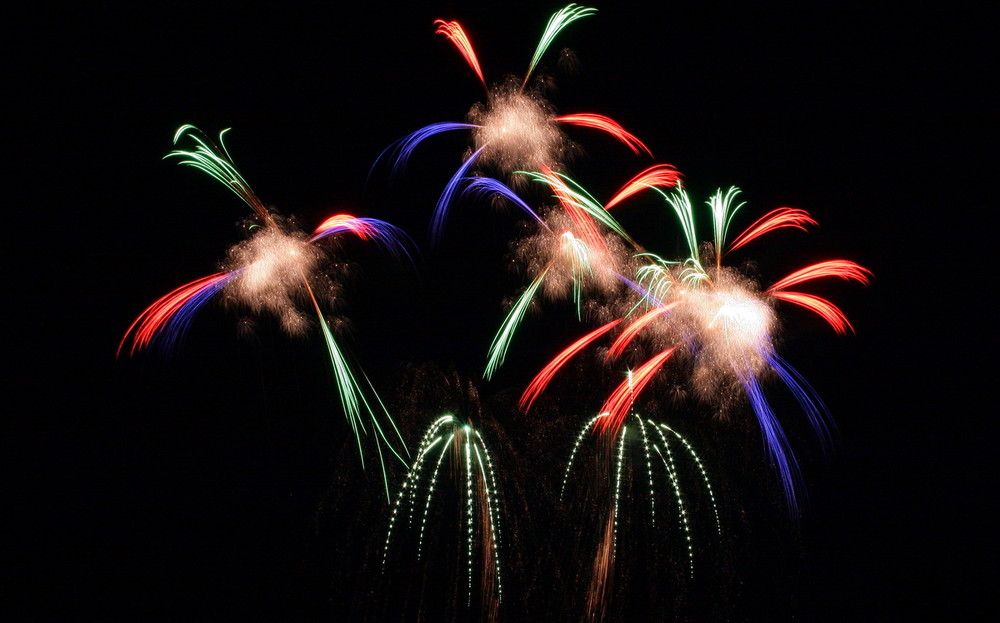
point(279, 271)
point(454, 462)
point(578, 251)
point(657, 490)
point(516, 128)
point(717, 327)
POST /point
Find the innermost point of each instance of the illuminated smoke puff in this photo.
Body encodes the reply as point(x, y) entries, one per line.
point(274, 267)
point(572, 265)
point(516, 131)
point(730, 328)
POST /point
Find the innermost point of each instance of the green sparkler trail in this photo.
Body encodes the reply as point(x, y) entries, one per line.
point(498, 349)
point(472, 463)
point(561, 19)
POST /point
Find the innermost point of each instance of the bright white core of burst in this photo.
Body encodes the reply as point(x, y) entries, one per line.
point(275, 265)
point(744, 322)
point(275, 260)
point(517, 132)
point(735, 326)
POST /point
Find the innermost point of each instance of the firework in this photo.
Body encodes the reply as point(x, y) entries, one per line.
point(456, 453)
point(661, 473)
point(278, 270)
point(517, 128)
point(579, 250)
point(717, 324)
point(652, 471)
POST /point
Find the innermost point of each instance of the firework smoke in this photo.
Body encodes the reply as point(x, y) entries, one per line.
point(514, 131)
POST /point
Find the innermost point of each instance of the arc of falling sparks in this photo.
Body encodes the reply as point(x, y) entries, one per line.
point(447, 437)
point(654, 439)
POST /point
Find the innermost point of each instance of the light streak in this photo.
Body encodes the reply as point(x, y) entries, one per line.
point(469, 461)
point(543, 378)
point(663, 175)
point(701, 469)
point(630, 332)
point(722, 215)
point(215, 161)
point(843, 269)
point(498, 349)
point(606, 124)
point(168, 318)
point(560, 20)
point(454, 32)
point(484, 186)
point(620, 401)
point(775, 219)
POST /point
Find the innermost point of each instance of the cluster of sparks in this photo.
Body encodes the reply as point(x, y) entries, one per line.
point(692, 320)
point(652, 452)
point(462, 451)
point(279, 270)
point(516, 128)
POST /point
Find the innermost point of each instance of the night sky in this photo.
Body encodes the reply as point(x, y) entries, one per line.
point(221, 482)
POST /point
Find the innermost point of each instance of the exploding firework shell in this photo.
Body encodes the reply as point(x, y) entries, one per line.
point(278, 270)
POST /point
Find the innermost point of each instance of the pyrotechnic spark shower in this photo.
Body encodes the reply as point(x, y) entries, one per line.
point(517, 128)
point(719, 323)
point(651, 454)
point(456, 451)
point(579, 248)
point(653, 439)
point(275, 270)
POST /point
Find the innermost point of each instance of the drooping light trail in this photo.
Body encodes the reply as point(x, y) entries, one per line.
point(456, 448)
point(639, 480)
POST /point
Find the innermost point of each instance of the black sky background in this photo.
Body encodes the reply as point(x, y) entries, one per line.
point(220, 483)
